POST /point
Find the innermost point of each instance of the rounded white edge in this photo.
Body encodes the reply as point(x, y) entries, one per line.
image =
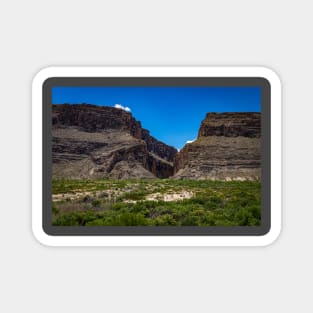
point(186, 71)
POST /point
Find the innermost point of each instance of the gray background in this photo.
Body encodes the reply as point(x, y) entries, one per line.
point(35, 34)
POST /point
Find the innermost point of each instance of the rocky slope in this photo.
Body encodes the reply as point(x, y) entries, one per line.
point(228, 147)
point(104, 142)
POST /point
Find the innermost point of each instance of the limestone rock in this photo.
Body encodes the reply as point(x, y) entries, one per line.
point(228, 147)
point(231, 124)
point(104, 142)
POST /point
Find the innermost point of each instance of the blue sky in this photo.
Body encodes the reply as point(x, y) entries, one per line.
point(172, 114)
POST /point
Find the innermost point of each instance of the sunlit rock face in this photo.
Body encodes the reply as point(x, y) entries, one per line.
point(228, 147)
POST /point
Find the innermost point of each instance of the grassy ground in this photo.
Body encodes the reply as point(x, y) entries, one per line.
point(156, 203)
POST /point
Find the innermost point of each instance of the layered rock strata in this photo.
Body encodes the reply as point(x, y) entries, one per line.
point(104, 142)
point(228, 147)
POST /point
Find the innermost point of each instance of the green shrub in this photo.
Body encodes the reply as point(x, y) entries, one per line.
point(217, 203)
point(164, 220)
point(75, 218)
point(87, 198)
point(134, 195)
point(55, 210)
point(96, 203)
point(125, 219)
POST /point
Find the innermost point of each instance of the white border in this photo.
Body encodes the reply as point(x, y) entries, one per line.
point(45, 239)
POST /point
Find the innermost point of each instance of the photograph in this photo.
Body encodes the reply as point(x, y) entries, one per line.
point(156, 156)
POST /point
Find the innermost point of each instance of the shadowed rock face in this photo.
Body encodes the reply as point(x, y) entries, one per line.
point(158, 147)
point(228, 147)
point(104, 142)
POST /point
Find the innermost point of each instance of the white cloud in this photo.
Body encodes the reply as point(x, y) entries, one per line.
point(190, 141)
point(119, 106)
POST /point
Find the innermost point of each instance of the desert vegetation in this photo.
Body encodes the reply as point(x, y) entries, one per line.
point(156, 202)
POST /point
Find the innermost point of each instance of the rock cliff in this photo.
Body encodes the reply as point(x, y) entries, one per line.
point(90, 141)
point(228, 147)
point(231, 124)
